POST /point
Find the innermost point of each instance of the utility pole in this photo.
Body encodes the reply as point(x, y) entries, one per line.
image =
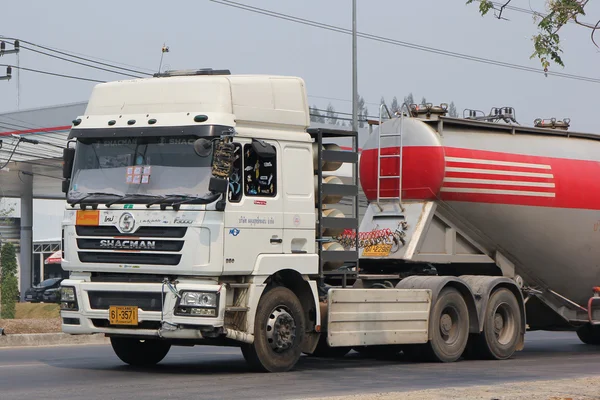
point(8, 76)
point(355, 205)
point(354, 73)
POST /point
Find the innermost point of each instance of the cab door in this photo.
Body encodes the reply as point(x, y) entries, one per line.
point(254, 211)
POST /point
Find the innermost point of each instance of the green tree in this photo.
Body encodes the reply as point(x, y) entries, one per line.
point(8, 281)
point(452, 112)
point(395, 106)
point(546, 42)
point(331, 115)
point(315, 115)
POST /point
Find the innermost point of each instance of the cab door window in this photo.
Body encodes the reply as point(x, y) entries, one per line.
point(260, 175)
point(236, 178)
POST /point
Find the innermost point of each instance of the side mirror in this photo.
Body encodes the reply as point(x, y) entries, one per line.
point(263, 149)
point(65, 185)
point(68, 157)
point(203, 147)
point(218, 185)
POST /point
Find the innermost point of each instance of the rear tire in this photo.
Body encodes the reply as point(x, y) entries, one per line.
point(589, 334)
point(449, 330)
point(138, 352)
point(501, 328)
point(278, 332)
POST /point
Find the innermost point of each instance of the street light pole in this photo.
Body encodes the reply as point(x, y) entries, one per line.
point(355, 118)
point(354, 73)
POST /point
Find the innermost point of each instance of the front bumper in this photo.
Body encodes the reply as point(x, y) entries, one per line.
point(89, 319)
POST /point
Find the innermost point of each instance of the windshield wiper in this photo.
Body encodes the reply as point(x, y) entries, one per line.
point(93, 194)
point(165, 199)
point(206, 199)
point(129, 196)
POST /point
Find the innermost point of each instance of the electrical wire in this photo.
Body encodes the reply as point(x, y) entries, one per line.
point(53, 73)
point(11, 155)
point(78, 62)
point(65, 53)
point(400, 43)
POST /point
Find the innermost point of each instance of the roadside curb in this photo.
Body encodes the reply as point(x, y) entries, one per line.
point(50, 339)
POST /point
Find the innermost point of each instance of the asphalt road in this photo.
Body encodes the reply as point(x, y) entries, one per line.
point(94, 372)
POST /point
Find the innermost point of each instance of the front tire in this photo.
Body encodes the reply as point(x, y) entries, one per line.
point(138, 352)
point(589, 334)
point(501, 329)
point(278, 332)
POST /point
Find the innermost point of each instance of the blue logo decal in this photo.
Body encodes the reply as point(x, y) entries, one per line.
point(234, 231)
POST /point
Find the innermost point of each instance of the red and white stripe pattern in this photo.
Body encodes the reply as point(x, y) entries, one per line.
point(498, 177)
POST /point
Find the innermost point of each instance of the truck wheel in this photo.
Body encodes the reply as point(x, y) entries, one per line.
point(449, 329)
point(278, 332)
point(589, 334)
point(140, 352)
point(325, 351)
point(500, 335)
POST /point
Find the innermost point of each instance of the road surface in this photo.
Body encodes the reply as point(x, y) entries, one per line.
point(94, 372)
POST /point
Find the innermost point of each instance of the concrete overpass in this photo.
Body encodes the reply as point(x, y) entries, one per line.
point(28, 170)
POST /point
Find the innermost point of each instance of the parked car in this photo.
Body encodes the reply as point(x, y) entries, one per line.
point(51, 295)
point(35, 294)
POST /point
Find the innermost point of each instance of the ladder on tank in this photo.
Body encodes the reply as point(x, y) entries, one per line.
point(398, 156)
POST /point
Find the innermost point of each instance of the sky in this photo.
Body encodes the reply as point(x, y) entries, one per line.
point(203, 34)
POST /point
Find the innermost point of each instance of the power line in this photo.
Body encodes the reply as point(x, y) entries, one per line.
point(400, 43)
point(78, 62)
point(53, 74)
point(75, 56)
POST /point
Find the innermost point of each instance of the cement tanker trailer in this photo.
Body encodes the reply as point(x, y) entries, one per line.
point(483, 194)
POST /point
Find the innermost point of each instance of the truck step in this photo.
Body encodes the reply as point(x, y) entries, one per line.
point(236, 309)
point(238, 285)
point(377, 277)
point(390, 156)
point(389, 176)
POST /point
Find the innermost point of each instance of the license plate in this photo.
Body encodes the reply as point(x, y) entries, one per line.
point(123, 315)
point(379, 250)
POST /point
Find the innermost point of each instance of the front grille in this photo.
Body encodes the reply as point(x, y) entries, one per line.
point(104, 323)
point(144, 231)
point(147, 301)
point(129, 258)
point(128, 278)
point(124, 244)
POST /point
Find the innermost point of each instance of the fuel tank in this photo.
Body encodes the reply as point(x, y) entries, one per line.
point(532, 192)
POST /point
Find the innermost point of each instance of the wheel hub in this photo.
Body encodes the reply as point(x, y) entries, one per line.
point(498, 323)
point(445, 324)
point(281, 329)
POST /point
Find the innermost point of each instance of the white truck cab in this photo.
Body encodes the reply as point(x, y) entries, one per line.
point(152, 252)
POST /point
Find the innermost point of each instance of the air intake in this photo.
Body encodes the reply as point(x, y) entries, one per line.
point(192, 72)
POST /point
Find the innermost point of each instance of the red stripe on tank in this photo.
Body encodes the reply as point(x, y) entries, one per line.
point(486, 177)
point(550, 182)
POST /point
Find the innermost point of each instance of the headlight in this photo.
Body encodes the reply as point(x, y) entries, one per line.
point(67, 293)
point(200, 304)
point(68, 299)
point(198, 299)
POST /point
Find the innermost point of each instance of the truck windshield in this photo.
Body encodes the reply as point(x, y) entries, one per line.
point(143, 167)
